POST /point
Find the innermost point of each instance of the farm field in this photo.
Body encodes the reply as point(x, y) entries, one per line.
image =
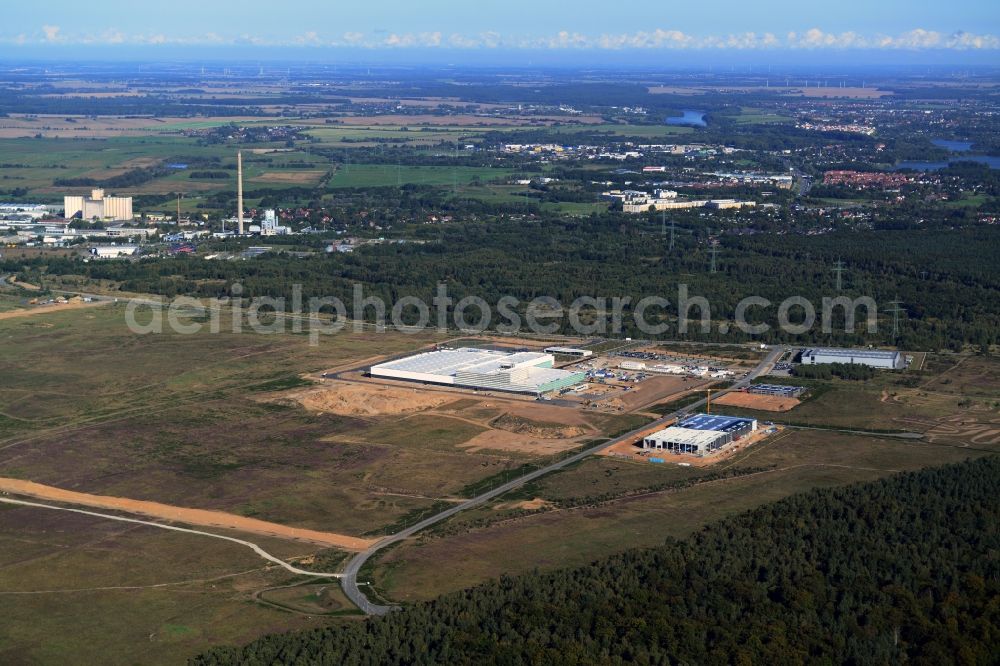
point(386, 175)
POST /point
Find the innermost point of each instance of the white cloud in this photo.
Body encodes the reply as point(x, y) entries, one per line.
point(659, 38)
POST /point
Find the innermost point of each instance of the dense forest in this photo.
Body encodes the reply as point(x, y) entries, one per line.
point(955, 304)
point(902, 570)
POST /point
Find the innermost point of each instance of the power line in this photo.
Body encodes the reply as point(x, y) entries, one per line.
point(895, 310)
point(838, 268)
point(715, 251)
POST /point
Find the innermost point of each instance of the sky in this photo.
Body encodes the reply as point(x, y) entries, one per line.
point(957, 27)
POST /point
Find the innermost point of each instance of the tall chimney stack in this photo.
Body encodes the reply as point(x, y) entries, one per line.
point(239, 192)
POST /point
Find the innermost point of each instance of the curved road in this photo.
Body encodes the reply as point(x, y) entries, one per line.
point(249, 544)
point(349, 577)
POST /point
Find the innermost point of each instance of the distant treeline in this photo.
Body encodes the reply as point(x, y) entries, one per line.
point(210, 175)
point(957, 303)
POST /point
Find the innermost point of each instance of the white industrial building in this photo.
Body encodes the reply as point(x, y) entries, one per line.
point(128, 232)
point(569, 351)
point(875, 358)
point(27, 211)
point(113, 251)
point(99, 206)
point(517, 372)
point(700, 434)
point(685, 440)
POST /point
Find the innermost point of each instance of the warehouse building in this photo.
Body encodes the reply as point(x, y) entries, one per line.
point(700, 434)
point(113, 251)
point(876, 358)
point(779, 390)
point(569, 351)
point(516, 372)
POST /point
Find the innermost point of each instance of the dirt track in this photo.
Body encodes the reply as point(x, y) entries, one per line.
point(201, 517)
point(48, 309)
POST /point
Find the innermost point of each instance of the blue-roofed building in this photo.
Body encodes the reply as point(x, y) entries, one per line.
point(700, 434)
point(730, 424)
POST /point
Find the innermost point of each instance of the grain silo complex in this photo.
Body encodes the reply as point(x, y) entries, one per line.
point(485, 369)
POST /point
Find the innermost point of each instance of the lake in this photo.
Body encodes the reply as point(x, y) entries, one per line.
point(690, 118)
point(993, 161)
point(953, 146)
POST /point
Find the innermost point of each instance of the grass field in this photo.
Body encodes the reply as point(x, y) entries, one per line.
point(467, 553)
point(77, 589)
point(387, 175)
point(199, 421)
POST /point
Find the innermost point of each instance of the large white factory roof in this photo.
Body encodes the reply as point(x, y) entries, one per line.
point(448, 362)
point(852, 353)
point(522, 372)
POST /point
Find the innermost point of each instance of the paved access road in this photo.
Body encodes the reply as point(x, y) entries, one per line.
point(349, 577)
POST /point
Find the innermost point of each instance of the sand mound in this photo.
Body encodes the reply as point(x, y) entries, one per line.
point(499, 440)
point(360, 400)
point(524, 427)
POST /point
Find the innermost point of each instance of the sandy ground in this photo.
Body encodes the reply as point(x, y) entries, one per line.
point(200, 517)
point(528, 505)
point(47, 309)
point(347, 399)
point(767, 403)
point(501, 440)
point(660, 388)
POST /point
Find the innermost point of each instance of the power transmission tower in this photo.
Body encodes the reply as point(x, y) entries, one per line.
point(895, 310)
point(838, 268)
point(715, 252)
point(663, 228)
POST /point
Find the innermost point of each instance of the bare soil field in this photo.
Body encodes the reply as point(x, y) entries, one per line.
point(200, 517)
point(766, 403)
point(349, 399)
point(289, 177)
point(520, 426)
point(650, 391)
